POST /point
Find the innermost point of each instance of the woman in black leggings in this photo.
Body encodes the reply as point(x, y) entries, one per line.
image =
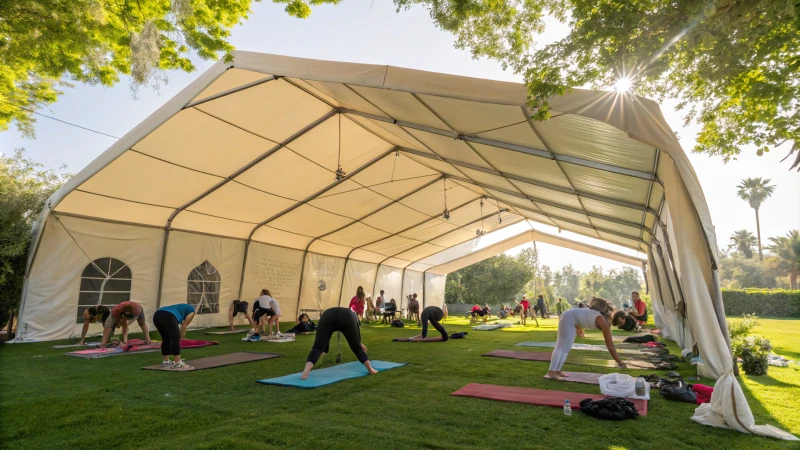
point(432, 314)
point(332, 320)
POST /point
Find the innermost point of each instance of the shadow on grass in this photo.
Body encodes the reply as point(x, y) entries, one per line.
point(766, 380)
point(760, 412)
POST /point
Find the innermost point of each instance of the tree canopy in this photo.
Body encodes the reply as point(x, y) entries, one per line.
point(732, 65)
point(24, 187)
point(494, 280)
point(46, 44)
point(743, 241)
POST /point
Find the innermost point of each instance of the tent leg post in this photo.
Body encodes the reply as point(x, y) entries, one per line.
point(300, 288)
point(244, 266)
point(163, 264)
point(344, 274)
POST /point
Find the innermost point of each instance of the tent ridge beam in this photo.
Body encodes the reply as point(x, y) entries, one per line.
point(546, 202)
point(442, 235)
point(510, 176)
point(514, 147)
point(231, 91)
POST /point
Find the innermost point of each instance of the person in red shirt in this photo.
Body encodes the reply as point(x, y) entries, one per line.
point(526, 306)
point(357, 303)
point(123, 314)
point(640, 309)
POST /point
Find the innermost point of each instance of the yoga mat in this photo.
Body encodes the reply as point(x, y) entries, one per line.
point(578, 359)
point(491, 326)
point(581, 377)
point(281, 340)
point(532, 396)
point(88, 344)
point(596, 348)
point(135, 346)
point(330, 375)
point(430, 339)
point(218, 333)
point(220, 361)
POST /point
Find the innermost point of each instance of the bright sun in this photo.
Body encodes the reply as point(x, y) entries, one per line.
point(623, 85)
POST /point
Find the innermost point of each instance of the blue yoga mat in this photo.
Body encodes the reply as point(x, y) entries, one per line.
point(330, 375)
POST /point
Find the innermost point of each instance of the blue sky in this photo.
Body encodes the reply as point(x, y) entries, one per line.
point(361, 31)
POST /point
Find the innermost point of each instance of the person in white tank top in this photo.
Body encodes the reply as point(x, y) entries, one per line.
point(572, 324)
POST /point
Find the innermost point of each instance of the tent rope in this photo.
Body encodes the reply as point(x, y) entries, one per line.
point(91, 261)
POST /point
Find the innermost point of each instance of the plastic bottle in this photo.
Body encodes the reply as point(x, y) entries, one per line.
point(567, 408)
point(640, 387)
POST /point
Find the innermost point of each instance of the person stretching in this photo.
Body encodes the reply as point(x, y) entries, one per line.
point(432, 314)
point(94, 314)
point(171, 322)
point(124, 313)
point(265, 308)
point(237, 307)
point(345, 321)
point(572, 323)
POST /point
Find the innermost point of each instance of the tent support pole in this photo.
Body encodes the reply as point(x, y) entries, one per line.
point(672, 260)
point(344, 274)
point(424, 282)
point(300, 288)
point(402, 285)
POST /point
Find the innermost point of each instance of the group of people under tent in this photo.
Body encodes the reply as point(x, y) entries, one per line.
point(383, 308)
point(172, 321)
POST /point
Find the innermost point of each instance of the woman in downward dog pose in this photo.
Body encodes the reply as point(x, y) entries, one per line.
point(171, 322)
point(332, 320)
point(432, 314)
point(572, 324)
point(265, 309)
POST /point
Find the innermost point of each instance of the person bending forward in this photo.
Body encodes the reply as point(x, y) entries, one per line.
point(432, 314)
point(120, 315)
point(237, 307)
point(94, 314)
point(332, 320)
point(572, 324)
point(171, 322)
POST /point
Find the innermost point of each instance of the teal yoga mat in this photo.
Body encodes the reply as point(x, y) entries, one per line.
point(330, 375)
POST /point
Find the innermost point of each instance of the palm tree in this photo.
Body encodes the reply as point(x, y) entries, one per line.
point(755, 191)
point(743, 241)
point(786, 257)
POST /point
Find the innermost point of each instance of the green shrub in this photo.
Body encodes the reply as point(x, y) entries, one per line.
point(754, 351)
point(742, 328)
point(763, 302)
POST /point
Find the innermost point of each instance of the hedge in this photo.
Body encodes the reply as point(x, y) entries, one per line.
point(763, 302)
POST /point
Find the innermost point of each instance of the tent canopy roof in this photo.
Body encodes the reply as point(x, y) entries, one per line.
point(251, 151)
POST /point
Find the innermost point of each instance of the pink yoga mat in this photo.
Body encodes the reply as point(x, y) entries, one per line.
point(532, 396)
point(136, 346)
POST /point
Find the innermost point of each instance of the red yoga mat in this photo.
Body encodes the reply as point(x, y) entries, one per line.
point(532, 396)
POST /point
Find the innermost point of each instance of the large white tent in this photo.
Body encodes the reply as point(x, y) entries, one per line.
point(298, 175)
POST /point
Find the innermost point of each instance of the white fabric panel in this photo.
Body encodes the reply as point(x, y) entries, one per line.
point(574, 135)
point(417, 253)
point(400, 106)
point(520, 134)
point(304, 85)
point(430, 229)
point(394, 167)
point(488, 179)
point(396, 263)
point(194, 139)
point(276, 269)
point(390, 133)
point(388, 280)
point(353, 204)
point(327, 248)
point(528, 166)
point(620, 187)
point(447, 147)
point(468, 117)
point(185, 251)
point(357, 273)
point(367, 256)
point(419, 267)
point(607, 209)
point(167, 184)
point(356, 234)
point(412, 284)
point(318, 268)
point(192, 221)
point(614, 226)
point(512, 200)
point(51, 303)
point(434, 290)
point(437, 165)
point(230, 79)
point(538, 192)
point(562, 213)
point(392, 246)
point(430, 200)
point(345, 96)
point(270, 175)
point(274, 110)
point(93, 205)
point(656, 195)
point(309, 221)
point(395, 218)
point(269, 235)
point(237, 202)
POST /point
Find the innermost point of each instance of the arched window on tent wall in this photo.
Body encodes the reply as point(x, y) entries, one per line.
point(203, 292)
point(105, 281)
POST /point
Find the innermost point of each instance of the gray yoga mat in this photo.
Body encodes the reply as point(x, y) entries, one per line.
point(221, 360)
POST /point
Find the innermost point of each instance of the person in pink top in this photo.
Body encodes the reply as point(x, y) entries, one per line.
point(357, 303)
point(123, 314)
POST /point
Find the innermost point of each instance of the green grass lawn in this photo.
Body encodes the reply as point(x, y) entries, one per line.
point(48, 400)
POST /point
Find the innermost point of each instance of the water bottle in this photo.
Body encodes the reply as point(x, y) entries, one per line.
point(640, 390)
point(567, 408)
